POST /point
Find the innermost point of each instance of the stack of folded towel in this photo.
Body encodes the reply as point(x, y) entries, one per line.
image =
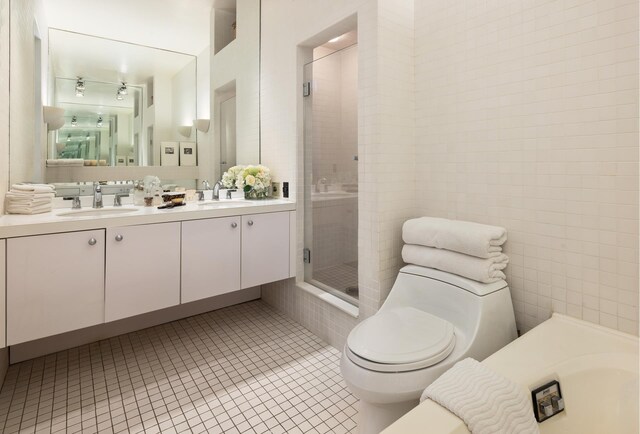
point(471, 250)
point(65, 162)
point(29, 198)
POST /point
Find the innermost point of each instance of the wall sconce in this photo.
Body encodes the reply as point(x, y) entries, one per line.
point(201, 125)
point(99, 122)
point(53, 117)
point(185, 130)
point(74, 121)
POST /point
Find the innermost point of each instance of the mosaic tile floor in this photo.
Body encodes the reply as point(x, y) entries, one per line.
point(342, 277)
point(242, 369)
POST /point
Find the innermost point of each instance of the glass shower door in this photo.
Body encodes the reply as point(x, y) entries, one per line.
point(331, 173)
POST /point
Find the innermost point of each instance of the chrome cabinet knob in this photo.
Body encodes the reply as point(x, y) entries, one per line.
point(250, 222)
point(92, 241)
point(119, 237)
point(234, 225)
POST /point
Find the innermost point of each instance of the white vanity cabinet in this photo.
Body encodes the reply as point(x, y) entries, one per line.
point(3, 294)
point(142, 269)
point(55, 284)
point(210, 257)
point(265, 248)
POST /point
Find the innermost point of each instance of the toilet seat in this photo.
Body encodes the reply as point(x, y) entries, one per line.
point(400, 339)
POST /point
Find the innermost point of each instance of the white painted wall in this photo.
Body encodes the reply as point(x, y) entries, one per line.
point(237, 67)
point(4, 101)
point(26, 156)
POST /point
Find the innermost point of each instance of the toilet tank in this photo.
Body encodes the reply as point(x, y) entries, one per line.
point(482, 313)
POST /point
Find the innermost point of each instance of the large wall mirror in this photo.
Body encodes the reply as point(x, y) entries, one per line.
point(124, 104)
point(128, 88)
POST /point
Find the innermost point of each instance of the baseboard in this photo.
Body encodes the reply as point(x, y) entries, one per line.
point(64, 341)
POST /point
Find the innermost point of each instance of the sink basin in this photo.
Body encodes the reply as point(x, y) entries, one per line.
point(223, 203)
point(97, 212)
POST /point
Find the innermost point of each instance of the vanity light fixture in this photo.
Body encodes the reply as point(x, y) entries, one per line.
point(185, 130)
point(99, 123)
point(80, 87)
point(74, 121)
point(201, 125)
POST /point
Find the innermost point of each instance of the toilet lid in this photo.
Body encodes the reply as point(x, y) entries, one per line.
point(401, 336)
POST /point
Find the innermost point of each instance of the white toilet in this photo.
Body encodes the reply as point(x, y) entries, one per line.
point(430, 321)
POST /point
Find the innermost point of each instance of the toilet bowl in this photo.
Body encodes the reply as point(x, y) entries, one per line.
point(430, 320)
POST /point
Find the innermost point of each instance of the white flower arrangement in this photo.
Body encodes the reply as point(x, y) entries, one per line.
point(253, 180)
point(232, 178)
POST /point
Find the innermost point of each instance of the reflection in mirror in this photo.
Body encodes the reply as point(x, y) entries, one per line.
point(227, 134)
point(98, 127)
point(123, 103)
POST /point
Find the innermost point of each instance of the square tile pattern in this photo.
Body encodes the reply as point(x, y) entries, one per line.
point(242, 369)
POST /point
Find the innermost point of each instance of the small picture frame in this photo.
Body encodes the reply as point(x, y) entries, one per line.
point(168, 154)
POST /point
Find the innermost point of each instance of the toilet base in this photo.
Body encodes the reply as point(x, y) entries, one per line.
point(373, 418)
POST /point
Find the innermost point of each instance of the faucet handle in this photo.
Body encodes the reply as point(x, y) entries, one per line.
point(117, 199)
point(76, 204)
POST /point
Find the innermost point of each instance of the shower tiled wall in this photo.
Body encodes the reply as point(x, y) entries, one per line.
point(385, 140)
point(527, 117)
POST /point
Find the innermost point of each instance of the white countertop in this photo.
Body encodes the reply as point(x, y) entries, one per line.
point(53, 222)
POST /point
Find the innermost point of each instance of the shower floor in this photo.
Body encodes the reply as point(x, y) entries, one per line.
point(342, 277)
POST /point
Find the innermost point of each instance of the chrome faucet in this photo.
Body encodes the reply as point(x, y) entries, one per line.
point(216, 190)
point(97, 195)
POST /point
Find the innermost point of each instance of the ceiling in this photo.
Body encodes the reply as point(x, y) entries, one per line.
point(177, 25)
point(77, 55)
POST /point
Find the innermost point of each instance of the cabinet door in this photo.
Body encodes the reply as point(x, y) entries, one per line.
point(55, 284)
point(265, 248)
point(210, 258)
point(3, 295)
point(143, 269)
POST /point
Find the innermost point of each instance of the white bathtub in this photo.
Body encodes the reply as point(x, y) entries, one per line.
point(597, 369)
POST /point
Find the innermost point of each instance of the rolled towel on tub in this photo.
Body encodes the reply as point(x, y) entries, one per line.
point(483, 270)
point(470, 238)
point(485, 400)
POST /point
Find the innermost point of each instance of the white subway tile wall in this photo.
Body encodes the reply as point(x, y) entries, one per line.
point(385, 141)
point(527, 117)
point(510, 113)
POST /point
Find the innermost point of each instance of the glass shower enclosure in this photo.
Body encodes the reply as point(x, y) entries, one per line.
point(331, 172)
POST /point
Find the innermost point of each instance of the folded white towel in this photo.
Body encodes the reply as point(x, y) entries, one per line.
point(33, 188)
point(485, 400)
point(66, 162)
point(25, 196)
point(470, 238)
point(21, 209)
point(483, 270)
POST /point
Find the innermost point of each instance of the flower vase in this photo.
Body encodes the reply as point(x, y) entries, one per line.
point(255, 195)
